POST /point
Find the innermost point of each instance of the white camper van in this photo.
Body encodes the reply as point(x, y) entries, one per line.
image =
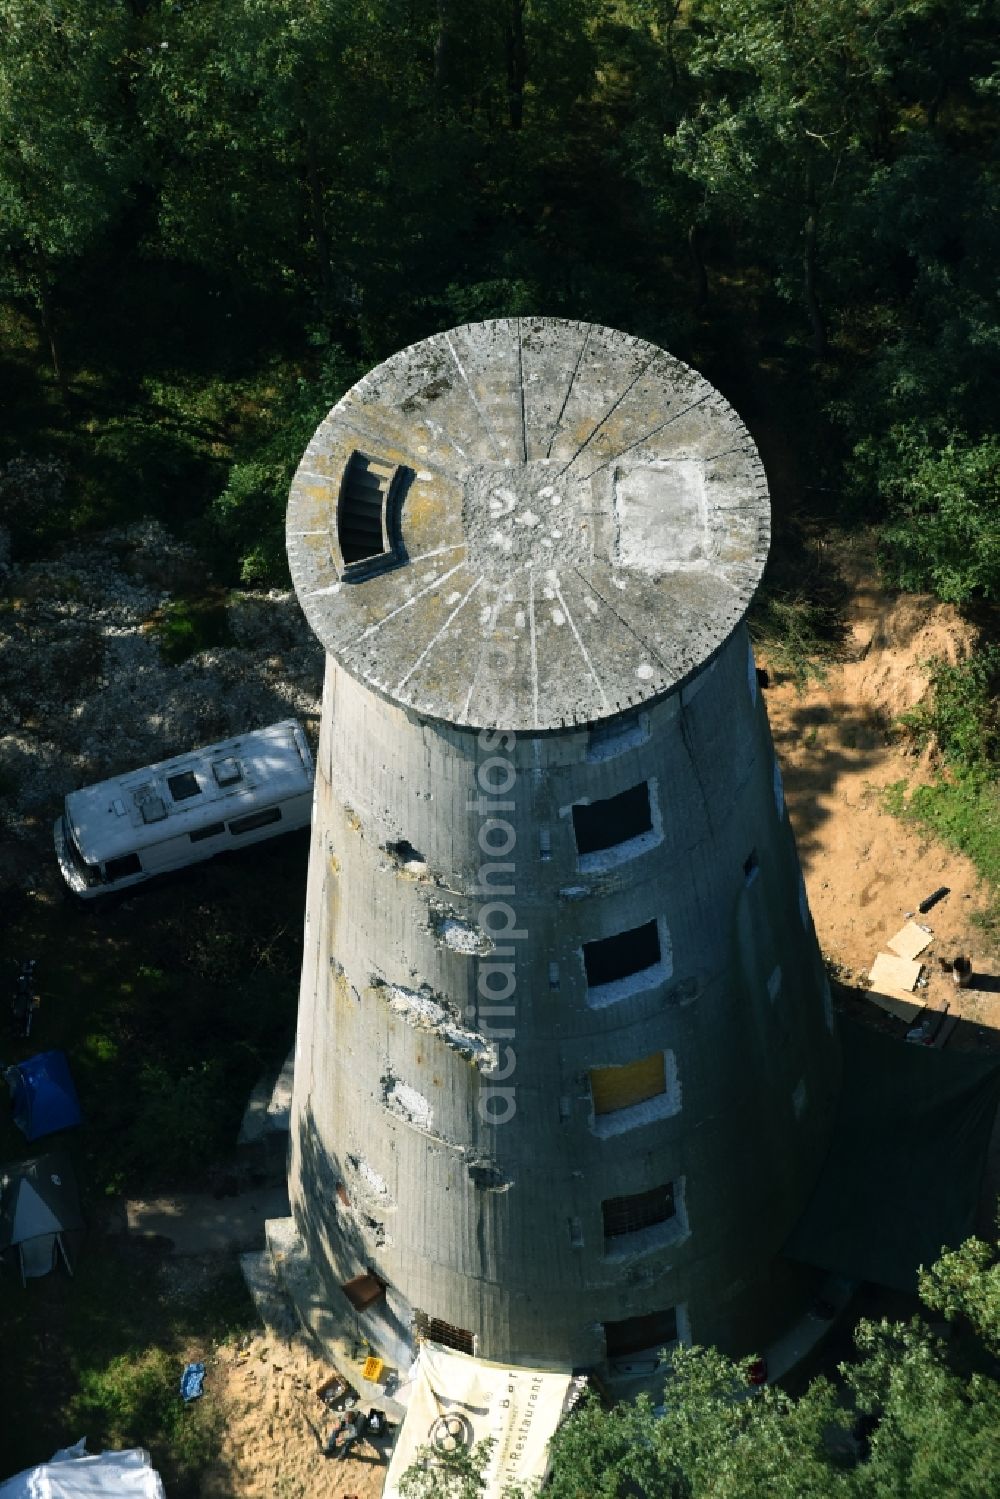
point(165, 816)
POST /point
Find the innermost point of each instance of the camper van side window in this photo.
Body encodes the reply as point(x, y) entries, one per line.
point(255, 820)
point(212, 831)
point(128, 864)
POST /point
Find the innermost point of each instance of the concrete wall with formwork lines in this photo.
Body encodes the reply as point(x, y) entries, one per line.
point(445, 1135)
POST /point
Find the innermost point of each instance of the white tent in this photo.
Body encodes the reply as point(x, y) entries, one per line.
point(455, 1400)
point(74, 1474)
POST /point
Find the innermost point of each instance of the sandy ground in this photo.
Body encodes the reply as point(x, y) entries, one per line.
point(864, 871)
point(274, 1421)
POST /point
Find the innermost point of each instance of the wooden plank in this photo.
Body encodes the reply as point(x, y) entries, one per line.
point(942, 1037)
point(910, 940)
point(894, 975)
point(896, 1004)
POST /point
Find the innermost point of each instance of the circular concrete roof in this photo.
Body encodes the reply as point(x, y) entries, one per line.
point(528, 524)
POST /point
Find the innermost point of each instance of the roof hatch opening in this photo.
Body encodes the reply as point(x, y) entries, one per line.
point(368, 513)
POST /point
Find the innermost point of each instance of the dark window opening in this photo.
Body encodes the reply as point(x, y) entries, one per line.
point(628, 1215)
point(212, 831)
point(544, 843)
point(646, 1334)
point(600, 825)
point(127, 864)
point(255, 820)
point(364, 1290)
point(751, 867)
point(618, 957)
point(366, 513)
point(183, 785)
point(436, 1331)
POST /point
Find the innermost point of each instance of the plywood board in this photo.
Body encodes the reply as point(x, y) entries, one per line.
point(892, 980)
point(893, 1004)
point(910, 940)
point(894, 975)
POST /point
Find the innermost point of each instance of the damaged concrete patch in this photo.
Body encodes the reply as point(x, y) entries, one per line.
point(406, 1103)
point(460, 935)
point(488, 1177)
point(423, 1009)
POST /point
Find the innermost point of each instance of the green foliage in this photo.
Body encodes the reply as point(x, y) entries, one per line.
point(176, 1119)
point(134, 1400)
point(188, 625)
point(961, 713)
point(944, 527)
point(937, 1428)
point(67, 152)
point(449, 1475)
point(961, 716)
point(102, 1354)
point(933, 1424)
point(964, 813)
point(799, 633)
point(247, 520)
point(716, 1438)
point(965, 1282)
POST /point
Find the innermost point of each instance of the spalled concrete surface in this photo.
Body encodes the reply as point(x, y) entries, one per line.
point(197, 1223)
point(454, 909)
point(573, 500)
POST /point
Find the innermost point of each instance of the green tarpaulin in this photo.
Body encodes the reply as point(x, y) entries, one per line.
point(906, 1161)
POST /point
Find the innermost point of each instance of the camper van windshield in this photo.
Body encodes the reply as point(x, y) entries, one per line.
point(88, 872)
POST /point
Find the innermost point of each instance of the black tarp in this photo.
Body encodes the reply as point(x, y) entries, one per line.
point(906, 1159)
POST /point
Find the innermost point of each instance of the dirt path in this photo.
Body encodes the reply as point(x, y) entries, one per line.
point(865, 869)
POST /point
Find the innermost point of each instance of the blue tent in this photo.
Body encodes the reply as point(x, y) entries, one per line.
point(43, 1094)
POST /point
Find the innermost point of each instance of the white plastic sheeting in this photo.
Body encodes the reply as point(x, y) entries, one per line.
point(75, 1474)
point(457, 1400)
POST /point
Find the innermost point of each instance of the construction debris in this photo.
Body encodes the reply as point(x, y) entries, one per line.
point(893, 980)
point(910, 940)
point(933, 898)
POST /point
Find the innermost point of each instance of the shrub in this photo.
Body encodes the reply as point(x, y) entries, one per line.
point(943, 532)
point(961, 713)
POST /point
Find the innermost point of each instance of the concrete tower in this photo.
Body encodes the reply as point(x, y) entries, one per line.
point(565, 1068)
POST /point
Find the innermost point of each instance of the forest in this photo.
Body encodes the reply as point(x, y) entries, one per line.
point(215, 215)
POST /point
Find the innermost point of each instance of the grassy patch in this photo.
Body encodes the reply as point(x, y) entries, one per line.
point(169, 1004)
point(960, 719)
point(186, 626)
point(965, 813)
point(102, 1355)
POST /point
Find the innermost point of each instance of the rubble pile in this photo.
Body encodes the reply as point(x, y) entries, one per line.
point(86, 690)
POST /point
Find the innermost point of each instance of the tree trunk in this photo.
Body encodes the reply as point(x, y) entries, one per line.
point(809, 287)
point(52, 338)
point(442, 48)
point(516, 62)
point(315, 189)
point(697, 266)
